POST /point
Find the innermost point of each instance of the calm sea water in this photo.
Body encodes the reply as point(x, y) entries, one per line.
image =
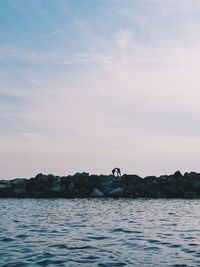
point(95, 232)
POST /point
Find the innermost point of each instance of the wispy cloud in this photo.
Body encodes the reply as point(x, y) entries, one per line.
point(13, 100)
point(48, 35)
point(129, 90)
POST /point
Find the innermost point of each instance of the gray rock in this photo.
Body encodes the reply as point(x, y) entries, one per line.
point(196, 184)
point(171, 179)
point(18, 183)
point(19, 191)
point(5, 188)
point(106, 184)
point(71, 186)
point(150, 179)
point(42, 179)
point(192, 176)
point(55, 184)
point(56, 189)
point(178, 175)
point(131, 179)
point(83, 184)
point(97, 193)
point(5, 184)
point(116, 192)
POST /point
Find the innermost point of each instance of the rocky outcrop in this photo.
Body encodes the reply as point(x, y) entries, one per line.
point(97, 193)
point(5, 188)
point(116, 192)
point(83, 185)
point(18, 186)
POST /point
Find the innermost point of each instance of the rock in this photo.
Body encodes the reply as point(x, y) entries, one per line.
point(18, 186)
point(191, 181)
point(42, 179)
point(196, 184)
point(78, 174)
point(5, 188)
point(171, 179)
point(64, 182)
point(55, 184)
point(83, 183)
point(116, 192)
point(71, 186)
point(56, 188)
point(39, 175)
point(18, 183)
point(39, 184)
point(192, 176)
point(178, 175)
point(154, 191)
point(132, 185)
point(80, 185)
point(97, 193)
point(176, 191)
point(19, 191)
point(150, 179)
point(5, 184)
point(105, 183)
point(131, 179)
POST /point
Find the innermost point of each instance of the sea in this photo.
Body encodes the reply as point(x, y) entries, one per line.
point(99, 232)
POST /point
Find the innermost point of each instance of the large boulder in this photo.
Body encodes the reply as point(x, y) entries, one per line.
point(64, 183)
point(196, 184)
point(83, 183)
point(178, 175)
point(96, 193)
point(80, 185)
point(55, 186)
point(150, 179)
point(154, 191)
point(38, 185)
point(5, 184)
point(41, 179)
point(19, 187)
point(19, 192)
point(167, 180)
point(131, 179)
point(106, 183)
point(174, 191)
point(5, 188)
point(192, 181)
point(116, 192)
point(18, 183)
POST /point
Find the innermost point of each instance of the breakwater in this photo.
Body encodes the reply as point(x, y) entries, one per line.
point(83, 185)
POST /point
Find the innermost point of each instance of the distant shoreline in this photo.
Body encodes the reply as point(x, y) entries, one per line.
point(83, 185)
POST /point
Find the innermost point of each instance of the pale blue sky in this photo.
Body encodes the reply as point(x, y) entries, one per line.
point(87, 85)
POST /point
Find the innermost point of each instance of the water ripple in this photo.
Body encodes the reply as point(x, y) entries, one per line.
point(99, 232)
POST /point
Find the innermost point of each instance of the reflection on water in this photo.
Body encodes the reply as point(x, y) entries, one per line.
point(95, 232)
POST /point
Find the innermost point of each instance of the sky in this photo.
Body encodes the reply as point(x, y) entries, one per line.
point(89, 85)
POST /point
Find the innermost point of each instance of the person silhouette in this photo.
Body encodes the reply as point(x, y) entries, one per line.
point(116, 171)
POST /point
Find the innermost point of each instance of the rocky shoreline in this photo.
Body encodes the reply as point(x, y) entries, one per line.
point(83, 185)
